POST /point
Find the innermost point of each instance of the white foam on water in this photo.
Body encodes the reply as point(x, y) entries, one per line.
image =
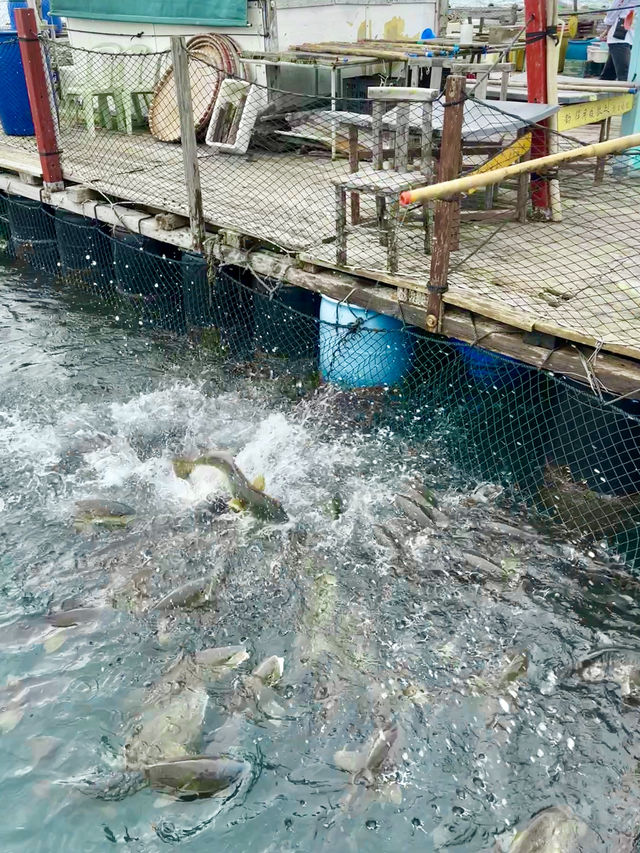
point(27, 441)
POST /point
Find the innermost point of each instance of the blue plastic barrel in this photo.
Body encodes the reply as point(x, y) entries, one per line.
point(15, 112)
point(359, 348)
point(490, 370)
point(12, 5)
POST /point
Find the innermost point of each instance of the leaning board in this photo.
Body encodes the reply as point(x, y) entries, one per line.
point(577, 115)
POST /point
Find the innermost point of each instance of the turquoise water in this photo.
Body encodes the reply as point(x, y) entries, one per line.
point(371, 636)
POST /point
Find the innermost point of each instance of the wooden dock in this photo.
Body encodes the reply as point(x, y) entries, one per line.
point(526, 281)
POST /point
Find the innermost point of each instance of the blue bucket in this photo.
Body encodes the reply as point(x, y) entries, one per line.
point(15, 112)
point(362, 349)
point(577, 48)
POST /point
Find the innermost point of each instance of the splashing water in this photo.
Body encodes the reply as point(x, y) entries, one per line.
point(459, 630)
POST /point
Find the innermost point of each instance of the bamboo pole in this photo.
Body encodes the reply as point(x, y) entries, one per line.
point(351, 50)
point(486, 179)
point(586, 88)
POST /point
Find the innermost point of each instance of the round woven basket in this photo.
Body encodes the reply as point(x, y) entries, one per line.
point(211, 58)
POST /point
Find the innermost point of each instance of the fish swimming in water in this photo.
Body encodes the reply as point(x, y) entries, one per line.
point(94, 512)
point(617, 664)
point(245, 495)
point(364, 764)
point(192, 594)
point(170, 725)
point(583, 510)
point(554, 830)
point(200, 776)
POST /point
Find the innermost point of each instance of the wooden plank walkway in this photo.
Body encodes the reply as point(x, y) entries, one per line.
point(556, 278)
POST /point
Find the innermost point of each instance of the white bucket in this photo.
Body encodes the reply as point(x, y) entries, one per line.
point(466, 34)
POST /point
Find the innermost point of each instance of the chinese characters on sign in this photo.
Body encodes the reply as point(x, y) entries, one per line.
point(576, 115)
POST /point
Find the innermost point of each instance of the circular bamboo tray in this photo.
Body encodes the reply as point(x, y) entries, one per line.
point(211, 58)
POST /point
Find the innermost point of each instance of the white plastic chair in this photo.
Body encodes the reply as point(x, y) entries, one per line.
point(94, 74)
point(140, 71)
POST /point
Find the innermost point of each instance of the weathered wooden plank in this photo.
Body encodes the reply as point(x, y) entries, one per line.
point(446, 211)
point(188, 139)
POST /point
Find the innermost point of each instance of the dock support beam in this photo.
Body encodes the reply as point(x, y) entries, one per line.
point(40, 99)
point(535, 14)
point(188, 140)
point(446, 220)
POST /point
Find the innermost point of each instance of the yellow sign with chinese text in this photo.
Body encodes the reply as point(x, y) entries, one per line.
point(577, 115)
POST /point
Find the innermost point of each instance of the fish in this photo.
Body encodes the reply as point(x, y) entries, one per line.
point(554, 830)
point(245, 495)
point(418, 514)
point(516, 667)
point(270, 670)
point(618, 664)
point(201, 775)
point(103, 513)
point(581, 509)
point(256, 694)
point(365, 764)
point(192, 594)
point(170, 725)
point(171, 730)
point(198, 668)
point(76, 616)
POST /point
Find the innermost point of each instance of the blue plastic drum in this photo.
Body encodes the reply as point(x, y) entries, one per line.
point(15, 112)
point(359, 348)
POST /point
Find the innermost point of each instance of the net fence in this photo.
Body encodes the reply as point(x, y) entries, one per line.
point(552, 447)
point(317, 174)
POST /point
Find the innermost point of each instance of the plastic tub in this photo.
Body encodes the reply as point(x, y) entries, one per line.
point(15, 112)
point(359, 348)
point(287, 325)
point(598, 52)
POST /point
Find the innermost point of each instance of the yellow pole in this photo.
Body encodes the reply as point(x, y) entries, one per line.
point(486, 179)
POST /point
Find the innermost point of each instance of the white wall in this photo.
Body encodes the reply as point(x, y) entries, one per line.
point(352, 22)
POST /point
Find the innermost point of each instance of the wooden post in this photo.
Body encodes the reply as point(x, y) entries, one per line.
point(40, 97)
point(447, 211)
point(442, 7)
point(188, 139)
point(354, 165)
point(535, 13)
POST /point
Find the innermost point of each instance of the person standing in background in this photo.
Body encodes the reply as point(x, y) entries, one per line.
point(619, 36)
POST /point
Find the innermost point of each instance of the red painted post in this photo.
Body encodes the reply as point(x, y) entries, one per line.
point(535, 12)
point(39, 99)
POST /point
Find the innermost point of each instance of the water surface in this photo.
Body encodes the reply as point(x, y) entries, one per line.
point(371, 637)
